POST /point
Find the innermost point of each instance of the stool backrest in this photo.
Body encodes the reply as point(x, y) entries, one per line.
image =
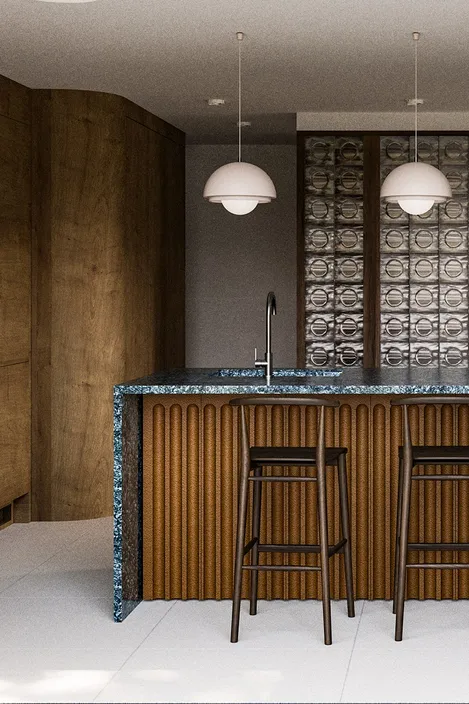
point(261, 400)
point(419, 400)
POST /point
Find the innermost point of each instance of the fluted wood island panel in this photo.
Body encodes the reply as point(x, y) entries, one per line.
point(190, 470)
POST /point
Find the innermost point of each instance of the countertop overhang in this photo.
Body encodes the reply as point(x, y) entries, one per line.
point(293, 381)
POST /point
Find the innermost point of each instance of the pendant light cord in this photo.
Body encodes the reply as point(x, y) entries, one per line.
point(416, 36)
point(240, 37)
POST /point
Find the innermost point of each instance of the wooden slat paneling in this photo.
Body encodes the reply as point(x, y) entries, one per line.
point(191, 470)
point(203, 487)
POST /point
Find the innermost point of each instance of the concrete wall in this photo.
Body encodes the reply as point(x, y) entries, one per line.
point(232, 262)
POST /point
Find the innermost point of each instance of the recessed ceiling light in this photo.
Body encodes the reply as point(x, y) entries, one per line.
point(216, 102)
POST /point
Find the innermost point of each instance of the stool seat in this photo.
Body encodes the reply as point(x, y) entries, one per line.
point(293, 455)
point(438, 454)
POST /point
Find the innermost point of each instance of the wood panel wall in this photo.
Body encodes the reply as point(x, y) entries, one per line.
point(15, 290)
point(100, 243)
point(190, 497)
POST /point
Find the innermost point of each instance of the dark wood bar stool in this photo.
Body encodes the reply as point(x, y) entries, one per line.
point(409, 457)
point(255, 459)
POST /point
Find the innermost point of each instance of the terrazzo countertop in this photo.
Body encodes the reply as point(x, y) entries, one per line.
point(302, 381)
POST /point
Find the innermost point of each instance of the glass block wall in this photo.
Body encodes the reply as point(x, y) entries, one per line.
point(333, 227)
point(424, 262)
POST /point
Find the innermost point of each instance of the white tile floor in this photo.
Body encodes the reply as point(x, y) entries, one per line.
point(59, 643)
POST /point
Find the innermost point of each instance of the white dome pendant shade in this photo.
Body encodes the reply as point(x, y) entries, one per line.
point(415, 186)
point(239, 186)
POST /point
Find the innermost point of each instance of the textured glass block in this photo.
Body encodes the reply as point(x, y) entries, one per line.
point(453, 268)
point(424, 326)
point(319, 239)
point(349, 269)
point(394, 326)
point(453, 149)
point(423, 268)
point(319, 180)
point(453, 354)
point(320, 151)
point(423, 298)
point(453, 298)
point(454, 210)
point(423, 354)
point(394, 151)
point(320, 326)
point(319, 268)
point(453, 327)
point(394, 268)
point(348, 210)
point(349, 151)
point(320, 355)
point(395, 354)
point(349, 326)
point(348, 298)
point(349, 239)
point(320, 298)
point(349, 354)
point(423, 239)
point(349, 180)
point(394, 298)
point(395, 240)
point(453, 239)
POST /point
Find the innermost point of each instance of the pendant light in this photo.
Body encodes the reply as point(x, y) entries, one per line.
point(415, 186)
point(239, 186)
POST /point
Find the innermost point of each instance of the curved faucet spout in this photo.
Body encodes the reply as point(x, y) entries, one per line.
point(271, 304)
point(271, 309)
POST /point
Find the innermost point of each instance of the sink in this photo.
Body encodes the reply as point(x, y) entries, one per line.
point(277, 373)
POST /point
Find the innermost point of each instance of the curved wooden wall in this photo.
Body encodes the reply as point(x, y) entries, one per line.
point(190, 497)
point(108, 263)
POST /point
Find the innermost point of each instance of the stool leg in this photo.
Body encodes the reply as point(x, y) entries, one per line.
point(344, 519)
point(240, 537)
point(324, 551)
point(398, 532)
point(256, 525)
point(403, 541)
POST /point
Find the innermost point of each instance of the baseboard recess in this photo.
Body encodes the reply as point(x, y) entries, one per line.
point(6, 516)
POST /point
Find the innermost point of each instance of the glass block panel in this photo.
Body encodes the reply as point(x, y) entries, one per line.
point(333, 226)
point(425, 262)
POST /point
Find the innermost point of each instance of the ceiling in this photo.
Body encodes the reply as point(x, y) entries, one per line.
point(299, 55)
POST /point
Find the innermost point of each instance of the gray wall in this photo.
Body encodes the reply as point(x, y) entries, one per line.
point(234, 261)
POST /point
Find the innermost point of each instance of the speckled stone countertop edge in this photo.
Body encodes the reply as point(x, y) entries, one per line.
point(292, 389)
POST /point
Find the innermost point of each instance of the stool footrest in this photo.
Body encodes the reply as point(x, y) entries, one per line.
point(438, 547)
point(438, 566)
point(283, 568)
point(284, 479)
point(316, 549)
point(440, 477)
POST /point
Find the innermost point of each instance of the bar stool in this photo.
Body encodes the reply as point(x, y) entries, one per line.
point(410, 456)
point(255, 459)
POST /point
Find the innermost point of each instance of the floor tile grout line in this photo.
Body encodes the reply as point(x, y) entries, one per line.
point(61, 549)
point(351, 652)
point(137, 647)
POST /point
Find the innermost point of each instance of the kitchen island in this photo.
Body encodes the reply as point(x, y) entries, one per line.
point(175, 481)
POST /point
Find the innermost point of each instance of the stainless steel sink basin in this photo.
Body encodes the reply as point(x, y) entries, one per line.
point(278, 373)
